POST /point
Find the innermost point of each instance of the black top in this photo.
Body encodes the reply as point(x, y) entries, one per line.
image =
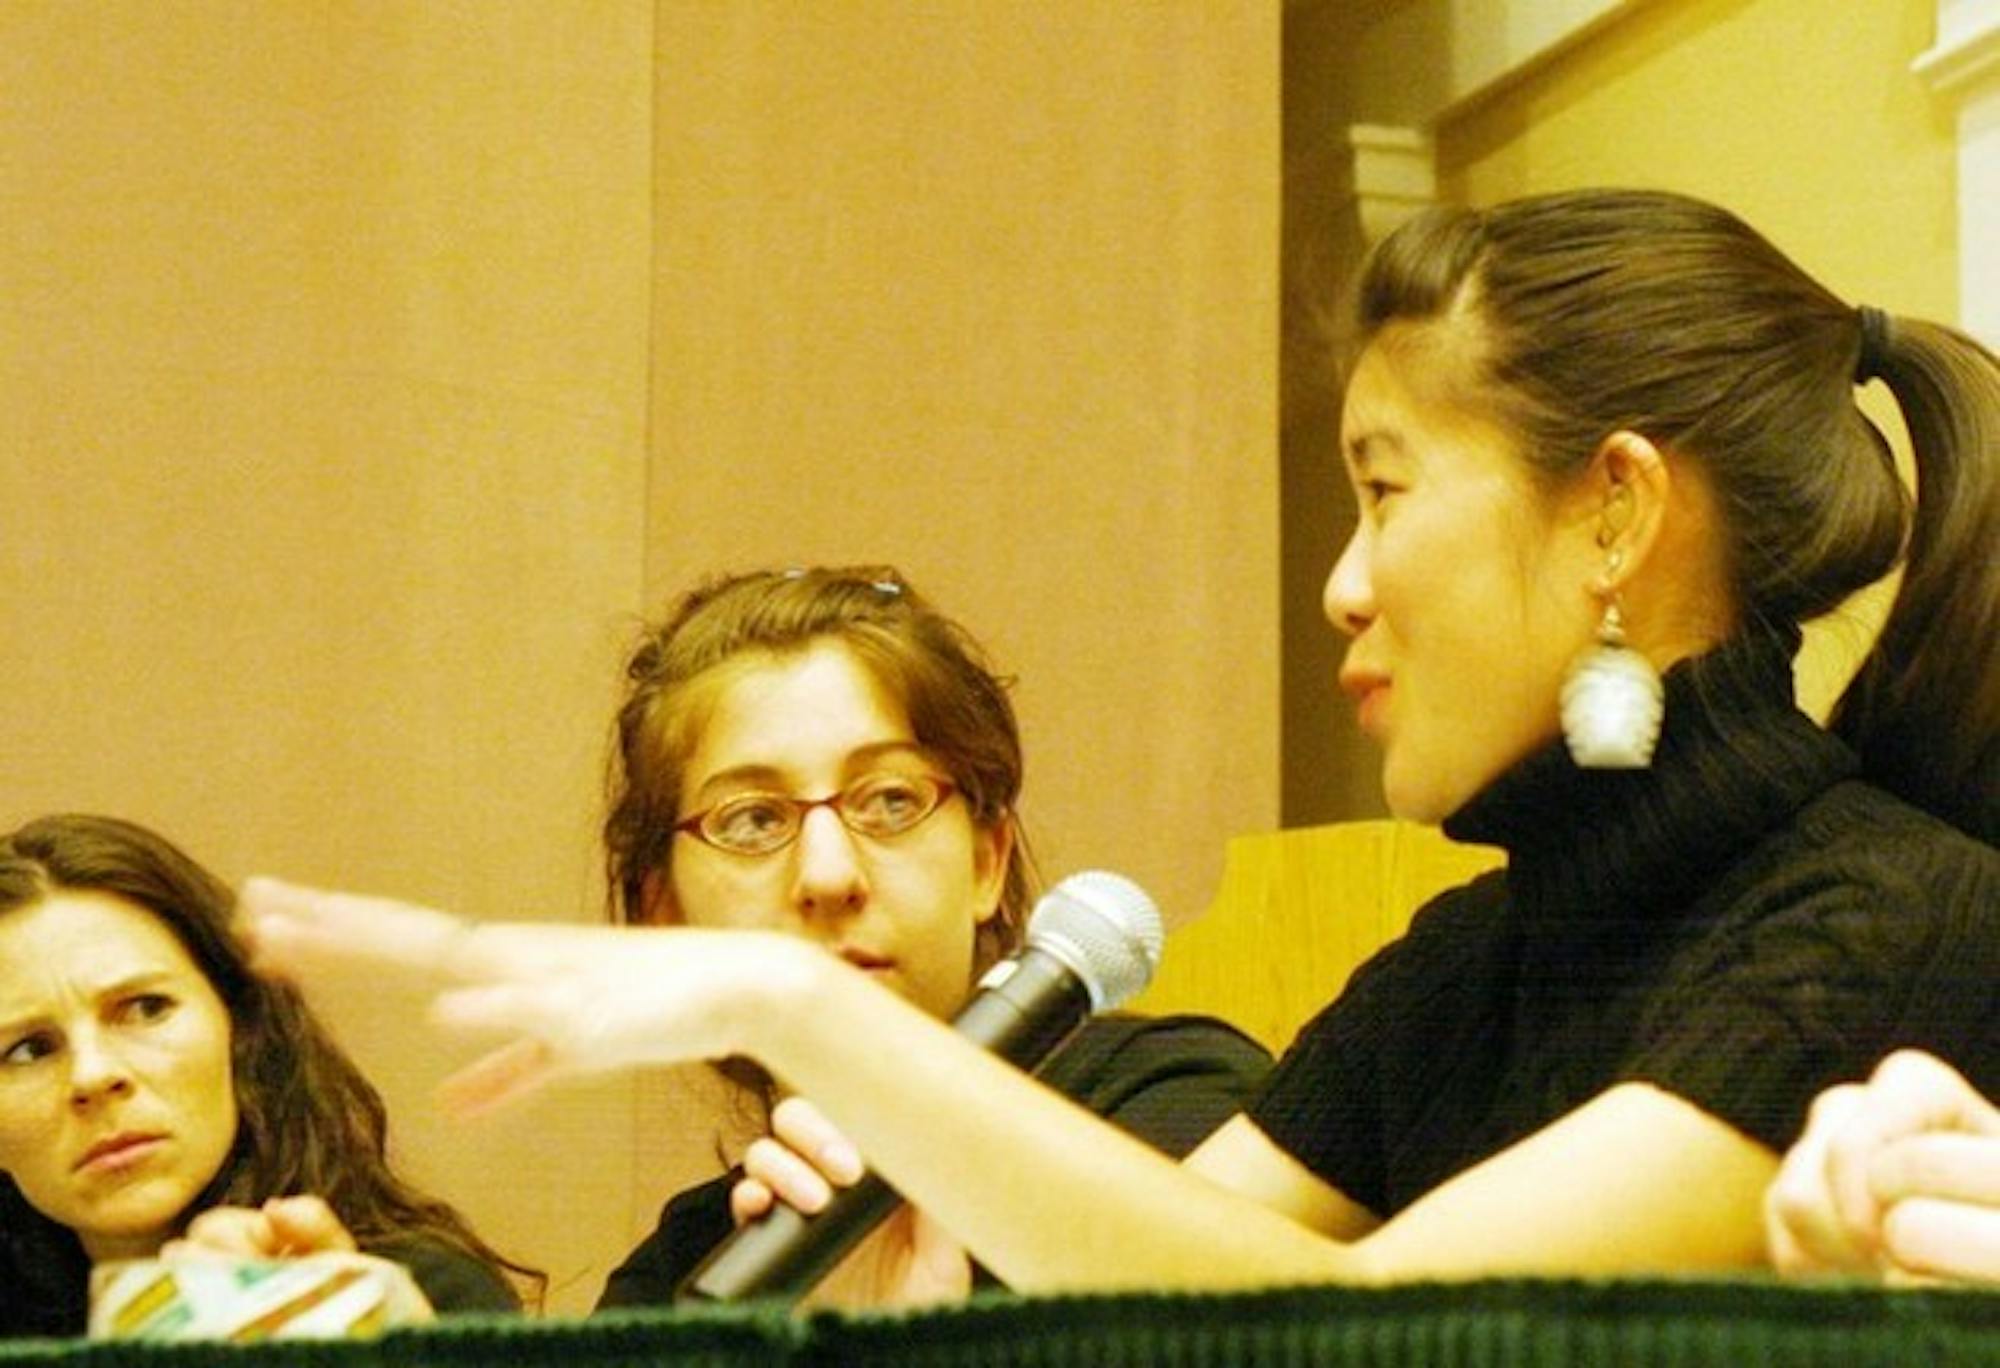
point(1742, 924)
point(1168, 1080)
point(453, 1281)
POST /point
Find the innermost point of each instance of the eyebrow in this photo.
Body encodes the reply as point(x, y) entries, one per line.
point(138, 979)
point(858, 758)
point(1360, 450)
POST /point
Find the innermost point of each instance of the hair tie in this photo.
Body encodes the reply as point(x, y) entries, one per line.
point(1874, 343)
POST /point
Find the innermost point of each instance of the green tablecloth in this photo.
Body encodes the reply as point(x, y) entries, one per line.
point(1673, 1324)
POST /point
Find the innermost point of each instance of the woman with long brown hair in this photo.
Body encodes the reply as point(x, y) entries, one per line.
point(153, 1090)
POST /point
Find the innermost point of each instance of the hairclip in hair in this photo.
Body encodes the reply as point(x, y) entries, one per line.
point(1874, 343)
point(888, 588)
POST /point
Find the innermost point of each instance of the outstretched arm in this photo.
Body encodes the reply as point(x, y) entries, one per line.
point(1040, 1191)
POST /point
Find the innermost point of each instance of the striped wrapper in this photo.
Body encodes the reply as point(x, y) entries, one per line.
point(317, 1296)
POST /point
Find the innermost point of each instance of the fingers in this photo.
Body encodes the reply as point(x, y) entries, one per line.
point(507, 1075)
point(800, 1163)
point(787, 1174)
point(292, 929)
point(1941, 1239)
point(1902, 1173)
point(1946, 1164)
point(1805, 1225)
point(1910, 1094)
point(226, 1231)
point(749, 1199)
point(306, 1225)
point(804, 1128)
point(280, 1228)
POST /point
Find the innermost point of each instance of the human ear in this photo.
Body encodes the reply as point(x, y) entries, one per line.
point(657, 904)
point(992, 857)
point(1629, 481)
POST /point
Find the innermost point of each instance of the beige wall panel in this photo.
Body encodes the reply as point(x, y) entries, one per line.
point(989, 291)
point(322, 417)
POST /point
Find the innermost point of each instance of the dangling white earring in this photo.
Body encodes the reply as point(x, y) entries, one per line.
point(1612, 698)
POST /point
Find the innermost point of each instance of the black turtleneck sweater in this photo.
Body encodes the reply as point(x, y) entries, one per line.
point(1741, 925)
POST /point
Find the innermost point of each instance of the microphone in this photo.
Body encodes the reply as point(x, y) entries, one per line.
point(1092, 942)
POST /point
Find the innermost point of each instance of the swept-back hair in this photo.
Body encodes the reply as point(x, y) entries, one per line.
point(1575, 315)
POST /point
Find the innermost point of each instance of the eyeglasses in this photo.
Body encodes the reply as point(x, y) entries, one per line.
point(876, 806)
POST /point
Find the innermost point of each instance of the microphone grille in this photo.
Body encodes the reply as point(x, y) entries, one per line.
point(1105, 928)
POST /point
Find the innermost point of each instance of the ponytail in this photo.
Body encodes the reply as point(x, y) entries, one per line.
point(1924, 709)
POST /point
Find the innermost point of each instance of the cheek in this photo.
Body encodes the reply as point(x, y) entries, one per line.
point(206, 1080)
point(29, 1115)
point(719, 899)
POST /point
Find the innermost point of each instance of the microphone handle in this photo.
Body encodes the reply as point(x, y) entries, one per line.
point(1023, 1010)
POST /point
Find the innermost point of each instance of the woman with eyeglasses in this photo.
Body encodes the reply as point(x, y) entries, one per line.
point(1608, 459)
point(822, 754)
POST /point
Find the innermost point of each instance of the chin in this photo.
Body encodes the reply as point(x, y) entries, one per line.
point(1424, 804)
point(1407, 804)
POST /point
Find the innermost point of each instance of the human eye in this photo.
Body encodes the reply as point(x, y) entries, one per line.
point(1375, 492)
point(753, 822)
point(141, 1009)
point(29, 1049)
point(888, 803)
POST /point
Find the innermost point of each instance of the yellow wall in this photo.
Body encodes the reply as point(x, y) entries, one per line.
point(987, 290)
point(323, 368)
point(1805, 121)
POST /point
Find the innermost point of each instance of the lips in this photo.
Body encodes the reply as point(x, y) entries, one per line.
point(119, 1150)
point(864, 959)
point(1370, 691)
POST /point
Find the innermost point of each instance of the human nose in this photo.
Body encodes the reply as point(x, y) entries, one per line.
point(829, 878)
point(96, 1069)
point(1348, 600)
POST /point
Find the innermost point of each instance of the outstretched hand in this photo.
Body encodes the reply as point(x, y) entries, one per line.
point(565, 999)
point(909, 1260)
point(1899, 1176)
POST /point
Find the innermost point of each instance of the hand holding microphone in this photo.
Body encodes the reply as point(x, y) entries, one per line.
point(1092, 942)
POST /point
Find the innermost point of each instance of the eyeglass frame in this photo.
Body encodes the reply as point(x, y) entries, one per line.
point(692, 824)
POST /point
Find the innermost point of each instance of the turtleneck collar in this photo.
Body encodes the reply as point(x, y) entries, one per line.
point(1736, 758)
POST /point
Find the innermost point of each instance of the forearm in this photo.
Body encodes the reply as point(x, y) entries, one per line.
point(1040, 1191)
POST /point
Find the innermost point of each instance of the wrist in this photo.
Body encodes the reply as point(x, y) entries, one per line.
point(790, 984)
point(806, 998)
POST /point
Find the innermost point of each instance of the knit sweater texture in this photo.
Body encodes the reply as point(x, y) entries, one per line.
point(1741, 925)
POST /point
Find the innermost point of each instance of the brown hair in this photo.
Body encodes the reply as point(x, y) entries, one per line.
point(957, 706)
point(1575, 315)
point(310, 1122)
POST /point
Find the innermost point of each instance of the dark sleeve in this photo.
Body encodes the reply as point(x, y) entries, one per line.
point(691, 1224)
point(1168, 1080)
point(454, 1281)
point(1864, 946)
point(1417, 1015)
point(44, 1273)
